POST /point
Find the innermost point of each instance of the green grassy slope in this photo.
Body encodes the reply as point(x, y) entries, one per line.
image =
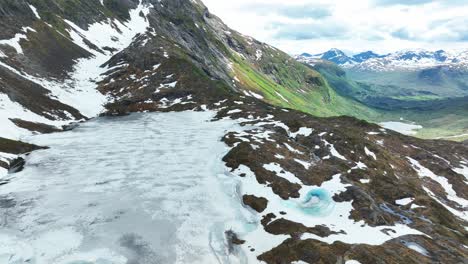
point(440, 117)
point(282, 81)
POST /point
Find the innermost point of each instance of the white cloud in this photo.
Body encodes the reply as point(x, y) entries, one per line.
point(380, 25)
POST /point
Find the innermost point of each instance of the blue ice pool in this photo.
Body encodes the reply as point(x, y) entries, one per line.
point(316, 202)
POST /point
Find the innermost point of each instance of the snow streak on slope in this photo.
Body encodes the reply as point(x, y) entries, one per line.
point(146, 188)
point(80, 90)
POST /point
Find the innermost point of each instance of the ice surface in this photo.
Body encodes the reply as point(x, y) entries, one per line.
point(416, 247)
point(404, 201)
point(403, 128)
point(146, 188)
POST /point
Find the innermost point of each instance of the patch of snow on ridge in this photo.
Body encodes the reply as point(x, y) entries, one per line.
point(10, 109)
point(303, 131)
point(352, 262)
point(171, 207)
point(258, 54)
point(451, 194)
point(34, 10)
point(404, 201)
point(280, 172)
point(15, 42)
point(333, 150)
point(463, 171)
point(370, 153)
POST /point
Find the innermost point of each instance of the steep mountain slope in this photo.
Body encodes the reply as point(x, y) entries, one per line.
point(317, 190)
point(93, 32)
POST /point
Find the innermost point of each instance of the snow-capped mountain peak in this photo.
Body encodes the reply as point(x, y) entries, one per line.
point(411, 59)
point(334, 55)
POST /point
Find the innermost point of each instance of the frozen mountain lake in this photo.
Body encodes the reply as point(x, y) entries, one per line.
point(400, 127)
point(145, 188)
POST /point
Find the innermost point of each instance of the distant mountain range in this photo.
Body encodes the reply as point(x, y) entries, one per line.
point(396, 61)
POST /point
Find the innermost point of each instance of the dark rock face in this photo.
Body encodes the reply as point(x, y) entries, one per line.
point(35, 127)
point(285, 227)
point(16, 147)
point(259, 204)
point(233, 240)
point(17, 165)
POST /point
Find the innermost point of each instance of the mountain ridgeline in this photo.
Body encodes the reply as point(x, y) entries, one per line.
point(389, 198)
point(48, 41)
point(429, 88)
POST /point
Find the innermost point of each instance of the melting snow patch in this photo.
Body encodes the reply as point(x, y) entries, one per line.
point(274, 167)
point(463, 171)
point(370, 153)
point(303, 131)
point(235, 111)
point(425, 172)
point(171, 85)
point(256, 95)
point(359, 165)
point(10, 109)
point(315, 207)
point(415, 206)
point(333, 151)
point(278, 156)
point(404, 201)
point(352, 262)
point(292, 149)
point(259, 54)
point(305, 164)
point(416, 247)
point(15, 41)
point(34, 10)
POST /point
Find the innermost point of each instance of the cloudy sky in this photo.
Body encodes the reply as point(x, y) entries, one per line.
point(314, 26)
